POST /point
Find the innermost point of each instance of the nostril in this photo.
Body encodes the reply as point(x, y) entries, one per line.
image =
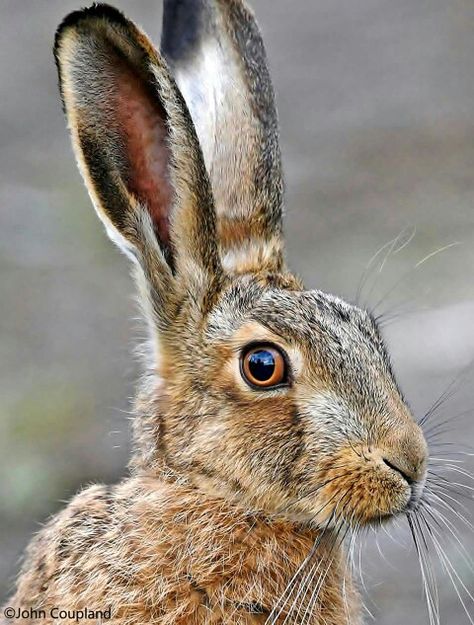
point(401, 472)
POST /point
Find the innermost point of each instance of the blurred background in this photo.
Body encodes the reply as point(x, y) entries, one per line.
point(376, 104)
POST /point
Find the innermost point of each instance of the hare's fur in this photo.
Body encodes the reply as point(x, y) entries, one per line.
point(231, 486)
point(157, 551)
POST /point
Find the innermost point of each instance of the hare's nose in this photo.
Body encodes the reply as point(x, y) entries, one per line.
point(412, 475)
point(407, 455)
point(408, 477)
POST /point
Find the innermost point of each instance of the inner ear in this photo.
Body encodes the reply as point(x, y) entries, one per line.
point(142, 123)
point(137, 126)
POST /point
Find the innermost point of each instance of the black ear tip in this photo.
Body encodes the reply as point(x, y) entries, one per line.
point(97, 11)
point(183, 23)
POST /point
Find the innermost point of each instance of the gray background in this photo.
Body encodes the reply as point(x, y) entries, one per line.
point(376, 103)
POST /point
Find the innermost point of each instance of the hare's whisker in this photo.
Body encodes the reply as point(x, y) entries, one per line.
point(438, 518)
point(432, 571)
point(462, 449)
point(303, 583)
point(309, 581)
point(434, 488)
point(277, 609)
point(435, 427)
point(457, 469)
point(442, 489)
point(448, 392)
point(338, 541)
point(433, 460)
point(368, 267)
point(439, 473)
point(348, 570)
point(445, 485)
point(439, 501)
point(316, 489)
point(450, 570)
point(410, 271)
point(429, 585)
point(391, 251)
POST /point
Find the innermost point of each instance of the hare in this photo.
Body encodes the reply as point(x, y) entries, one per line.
point(268, 421)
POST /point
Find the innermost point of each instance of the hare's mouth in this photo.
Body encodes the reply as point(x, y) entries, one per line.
point(362, 486)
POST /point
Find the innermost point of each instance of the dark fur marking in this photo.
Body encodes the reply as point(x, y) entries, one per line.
point(195, 586)
point(108, 496)
point(342, 314)
point(206, 471)
point(252, 608)
point(182, 26)
point(161, 443)
point(63, 548)
point(82, 519)
point(294, 451)
point(94, 155)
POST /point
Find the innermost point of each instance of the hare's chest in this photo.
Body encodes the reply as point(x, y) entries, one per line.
point(259, 600)
point(234, 613)
point(212, 566)
point(219, 604)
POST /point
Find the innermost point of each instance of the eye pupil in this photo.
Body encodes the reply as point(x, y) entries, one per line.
point(261, 364)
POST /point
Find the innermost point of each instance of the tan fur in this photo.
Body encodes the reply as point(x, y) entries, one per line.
point(133, 547)
point(232, 488)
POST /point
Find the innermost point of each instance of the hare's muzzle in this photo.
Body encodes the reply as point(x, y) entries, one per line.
point(373, 481)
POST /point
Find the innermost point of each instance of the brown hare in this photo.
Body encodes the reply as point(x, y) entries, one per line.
point(268, 423)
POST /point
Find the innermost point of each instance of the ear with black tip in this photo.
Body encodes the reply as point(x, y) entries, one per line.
point(137, 148)
point(216, 53)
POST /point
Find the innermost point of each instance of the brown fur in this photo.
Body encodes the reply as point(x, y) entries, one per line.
point(133, 548)
point(232, 488)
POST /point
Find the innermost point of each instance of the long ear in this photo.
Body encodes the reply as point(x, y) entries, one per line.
point(137, 150)
point(217, 56)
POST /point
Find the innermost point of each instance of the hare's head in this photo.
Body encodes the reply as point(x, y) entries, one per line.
point(258, 390)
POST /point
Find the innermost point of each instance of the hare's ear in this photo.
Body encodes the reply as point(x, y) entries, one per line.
point(137, 148)
point(217, 56)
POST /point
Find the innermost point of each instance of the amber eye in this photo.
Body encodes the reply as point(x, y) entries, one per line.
point(264, 366)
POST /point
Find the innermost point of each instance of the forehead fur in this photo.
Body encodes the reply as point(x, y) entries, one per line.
point(293, 313)
point(341, 343)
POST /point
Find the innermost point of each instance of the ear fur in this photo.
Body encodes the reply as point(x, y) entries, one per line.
point(137, 148)
point(216, 53)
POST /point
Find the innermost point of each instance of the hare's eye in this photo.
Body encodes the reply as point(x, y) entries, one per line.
point(263, 366)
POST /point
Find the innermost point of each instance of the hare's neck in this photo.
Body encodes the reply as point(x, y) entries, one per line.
point(250, 563)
